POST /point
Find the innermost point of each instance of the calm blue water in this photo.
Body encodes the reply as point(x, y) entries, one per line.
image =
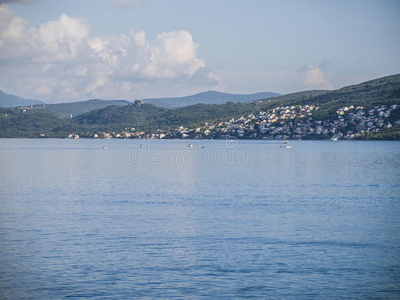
point(227, 221)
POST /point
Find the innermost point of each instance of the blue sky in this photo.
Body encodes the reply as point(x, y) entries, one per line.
point(110, 49)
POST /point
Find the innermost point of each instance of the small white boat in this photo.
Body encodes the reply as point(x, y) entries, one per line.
point(190, 145)
point(285, 146)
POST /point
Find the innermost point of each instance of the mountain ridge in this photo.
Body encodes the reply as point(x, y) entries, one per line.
point(8, 100)
point(80, 107)
point(208, 97)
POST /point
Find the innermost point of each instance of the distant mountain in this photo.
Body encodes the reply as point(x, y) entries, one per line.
point(81, 107)
point(7, 100)
point(210, 97)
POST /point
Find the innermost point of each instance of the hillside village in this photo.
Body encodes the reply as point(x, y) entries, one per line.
point(281, 122)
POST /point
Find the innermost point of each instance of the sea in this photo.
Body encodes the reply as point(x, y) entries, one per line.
point(199, 219)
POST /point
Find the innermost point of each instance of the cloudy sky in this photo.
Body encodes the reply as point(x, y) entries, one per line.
point(110, 49)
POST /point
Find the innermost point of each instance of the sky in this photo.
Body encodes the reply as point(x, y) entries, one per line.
point(63, 51)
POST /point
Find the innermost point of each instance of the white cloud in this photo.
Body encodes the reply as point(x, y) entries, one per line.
point(44, 90)
point(140, 39)
point(58, 40)
point(175, 48)
point(314, 79)
point(213, 76)
point(98, 82)
point(61, 60)
point(62, 39)
point(14, 30)
point(81, 71)
point(172, 54)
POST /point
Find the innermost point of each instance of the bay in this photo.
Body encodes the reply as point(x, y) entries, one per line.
point(219, 220)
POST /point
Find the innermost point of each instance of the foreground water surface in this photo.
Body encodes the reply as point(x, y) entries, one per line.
point(219, 220)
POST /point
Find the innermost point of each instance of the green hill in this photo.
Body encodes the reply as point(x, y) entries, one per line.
point(128, 115)
point(34, 123)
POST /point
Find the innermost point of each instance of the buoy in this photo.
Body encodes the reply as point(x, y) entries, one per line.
point(104, 147)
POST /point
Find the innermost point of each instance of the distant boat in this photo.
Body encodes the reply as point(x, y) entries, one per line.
point(190, 145)
point(104, 147)
point(334, 139)
point(285, 146)
point(286, 142)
